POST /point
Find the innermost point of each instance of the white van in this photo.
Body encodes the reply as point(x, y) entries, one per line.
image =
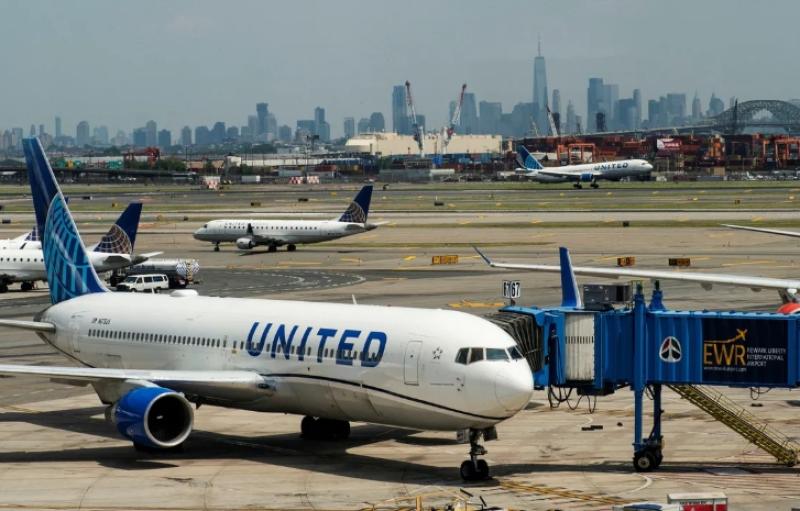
point(147, 283)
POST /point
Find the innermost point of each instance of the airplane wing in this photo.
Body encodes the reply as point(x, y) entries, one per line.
point(36, 326)
point(786, 288)
point(117, 260)
point(779, 232)
point(93, 374)
point(140, 258)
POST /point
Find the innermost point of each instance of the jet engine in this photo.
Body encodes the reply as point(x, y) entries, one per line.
point(586, 177)
point(244, 243)
point(153, 417)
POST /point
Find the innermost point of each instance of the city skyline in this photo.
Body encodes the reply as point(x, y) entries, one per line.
point(177, 69)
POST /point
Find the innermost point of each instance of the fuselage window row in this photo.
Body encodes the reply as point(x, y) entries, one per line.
point(217, 343)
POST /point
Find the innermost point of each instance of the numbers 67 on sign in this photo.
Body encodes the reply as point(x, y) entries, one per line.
point(512, 289)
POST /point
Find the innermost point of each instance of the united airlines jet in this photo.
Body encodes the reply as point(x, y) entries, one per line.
point(25, 263)
point(583, 173)
point(248, 234)
point(149, 357)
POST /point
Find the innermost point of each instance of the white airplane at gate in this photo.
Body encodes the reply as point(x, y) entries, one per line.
point(247, 234)
point(150, 356)
point(25, 262)
point(582, 173)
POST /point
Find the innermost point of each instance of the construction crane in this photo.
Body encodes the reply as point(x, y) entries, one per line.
point(417, 129)
point(456, 117)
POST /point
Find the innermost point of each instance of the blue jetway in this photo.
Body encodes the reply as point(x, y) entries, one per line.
point(646, 346)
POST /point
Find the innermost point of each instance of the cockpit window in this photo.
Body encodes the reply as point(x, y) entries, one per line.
point(461, 356)
point(205, 226)
point(475, 355)
point(496, 354)
point(514, 352)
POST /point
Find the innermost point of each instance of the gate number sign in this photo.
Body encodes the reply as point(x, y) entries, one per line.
point(511, 289)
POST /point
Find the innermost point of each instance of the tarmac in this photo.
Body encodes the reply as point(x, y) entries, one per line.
point(57, 452)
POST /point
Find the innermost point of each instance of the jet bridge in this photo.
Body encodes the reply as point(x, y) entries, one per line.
point(645, 347)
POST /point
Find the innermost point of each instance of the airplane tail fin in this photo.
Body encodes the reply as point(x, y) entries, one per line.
point(69, 270)
point(359, 209)
point(121, 238)
point(570, 297)
point(527, 160)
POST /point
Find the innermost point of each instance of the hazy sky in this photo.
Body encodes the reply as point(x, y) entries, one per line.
point(193, 62)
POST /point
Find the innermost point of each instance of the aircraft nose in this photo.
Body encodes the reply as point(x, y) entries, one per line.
point(514, 388)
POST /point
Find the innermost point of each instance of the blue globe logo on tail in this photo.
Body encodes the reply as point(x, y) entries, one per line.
point(359, 209)
point(116, 241)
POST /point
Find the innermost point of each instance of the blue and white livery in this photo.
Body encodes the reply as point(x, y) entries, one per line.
point(584, 173)
point(248, 234)
point(150, 356)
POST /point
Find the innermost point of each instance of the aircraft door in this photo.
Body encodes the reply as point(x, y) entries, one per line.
point(74, 334)
point(411, 364)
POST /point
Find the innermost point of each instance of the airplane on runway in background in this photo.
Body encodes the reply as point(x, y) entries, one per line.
point(149, 356)
point(786, 288)
point(248, 234)
point(583, 173)
point(25, 263)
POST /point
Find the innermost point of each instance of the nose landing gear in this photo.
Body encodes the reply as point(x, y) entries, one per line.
point(475, 469)
point(216, 247)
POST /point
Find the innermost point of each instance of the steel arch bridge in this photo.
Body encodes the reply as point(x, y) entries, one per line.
point(784, 115)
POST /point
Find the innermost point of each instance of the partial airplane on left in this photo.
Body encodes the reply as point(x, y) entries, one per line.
point(24, 262)
point(150, 356)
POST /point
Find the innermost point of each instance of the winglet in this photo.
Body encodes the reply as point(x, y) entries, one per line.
point(69, 270)
point(483, 256)
point(121, 238)
point(358, 210)
point(570, 297)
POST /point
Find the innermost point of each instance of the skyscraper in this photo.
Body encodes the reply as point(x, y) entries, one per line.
point(594, 101)
point(100, 135)
point(262, 111)
point(469, 115)
point(400, 122)
point(363, 125)
point(321, 127)
point(697, 108)
point(164, 139)
point(637, 99)
point(571, 121)
point(151, 130)
point(610, 98)
point(186, 136)
point(540, 91)
point(58, 127)
point(556, 106)
point(82, 134)
point(490, 114)
point(377, 123)
point(349, 127)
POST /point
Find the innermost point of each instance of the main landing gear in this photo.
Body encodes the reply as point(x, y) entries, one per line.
point(475, 469)
point(216, 247)
point(4, 287)
point(291, 248)
point(27, 286)
point(579, 186)
point(272, 248)
point(317, 428)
